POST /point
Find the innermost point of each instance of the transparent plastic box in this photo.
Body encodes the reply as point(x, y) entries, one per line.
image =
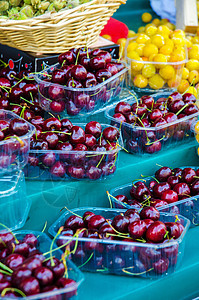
point(188, 208)
point(13, 152)
point(149, 140)
point(123, 258)
point(160, 80)
point(14, 203)
point(78, 165)
point(78, 101)
point(43, 245)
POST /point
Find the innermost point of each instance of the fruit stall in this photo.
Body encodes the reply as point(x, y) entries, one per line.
point(99, 167)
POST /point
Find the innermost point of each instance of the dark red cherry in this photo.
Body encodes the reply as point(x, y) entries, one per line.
point(14, 260)
point(69, 284)
point(112, 68)
point(66, 123)
point(177, 172)
point(111, 134)
point(44, 276)
point(15, 94)
point(121, 118)
point(195, 187)
point(173, 180)
point(173, 229)
point(48, 159)
point(73, 83)
point(123, 107)
point(176, 105)
point(30, 286)
point(4, 82)
point(182, 189)
point(93, 172)
point(161, 265)
point(170, 117)
point(18, 127)
point(191, 109)
point(105, 55)
point(95, 222)
point(154, 115)
point(58, 76)
point(156, 232)
point(159, 188)
point(150, 213)
point(97, 63)
point(188, 175)
point(79, 72)
point(77, 135)
point(19, 274)
point(74, 222)
point(29, 90)
point(163, 174)
point(52, 124)
point(102, 75)
point(86, 217)
point(137, 229)
point(56, 92)
point(148, 101)
point(169, 196)
point(188, 98)
point(67, 58)
point(90, 140)
point(56, 267)
point(93, 128)
point(121, 223)
point(51, 138)
point(132, 214)
point(58, 169)
point(76, 172)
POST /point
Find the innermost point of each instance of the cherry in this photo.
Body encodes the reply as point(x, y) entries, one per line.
point(37, 121)
point(176, 105)
point(79, 72)
point(105, 228)
point(191, 109)
point(120, 223)
point(5, 82)
point(95, 222)
point(18, 127)
point(123, 107)
point(77, 135)
point(159, 122)
point(148, 222)
point(30, 286)
point(137, 229)
point(140, 192)
point(155, 114)
point(90, 140)
point(148, 101)
point(106, 55)
point(16, 93)
point(133, 215)
point(97, 63)
point(58, 76)
point(72, 83)
point(30, 239)
point(195, 187)
point(76, 172)
point(4, 126)
point(181, 227)
point(21, 248)
point(67, 57)
point(182, 189)
point(177, 172)
point(161, 266)
point(150, 213)
point(112, 68)
point(5, 104)
point(173, 180)
point(169, 196)
point(152, 183)
point(74, 222)
point(39, 144)
point(81, 100)
point(87, 216)
point(48, 159)
point(56, 92)
point(173, 229)
point(102, 75)
point(32, 263)
point(44, 276)
point(51, 138)
point(121, 198)
point(93, 172)
point(5, 239)
point(163, 174)
point(4, 284)
point(188, 98)
point(19, 274)
point(159, 188)
point(175, 96)
point(52, 124)
point(170, 117)
point(93, 128)
point(156, 232)
point(154, 147)
point(111, 134)
point(68, 284)
point(188, 175)
point(158, 203)
point(14, 260)
point(56, 267)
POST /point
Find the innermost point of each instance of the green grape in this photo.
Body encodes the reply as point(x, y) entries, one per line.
point(4, 5)
point(59, 4)
point(35, 3)
point(13, 11)
point(28, 11)
point(20, 16)
point(27, 2)
point(14, 2)
point(43, 6)
point(51, 7)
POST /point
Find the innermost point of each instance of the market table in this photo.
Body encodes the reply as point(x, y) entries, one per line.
point(48, 198)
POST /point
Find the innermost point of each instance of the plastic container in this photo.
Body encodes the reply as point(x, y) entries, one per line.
point(43, 245)
point(160, 79)
point(78, 101)
point(14, 203)
point(188, 208)
point(123, 258)
point(14, 153)
point(141, 140)
point(104, 163)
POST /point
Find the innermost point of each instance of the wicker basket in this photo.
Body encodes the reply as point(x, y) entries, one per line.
point(60, 31)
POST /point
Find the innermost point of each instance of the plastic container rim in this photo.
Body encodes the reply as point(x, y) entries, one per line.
point(18, 176)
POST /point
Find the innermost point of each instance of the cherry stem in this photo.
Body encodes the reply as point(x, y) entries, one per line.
point(27, 100)
point(111, 206)
point(151, 143)
point(16, 138)
point(51, 246)
point(68, 133)
point(182, 109)
point(149, 177)
point(6, 273)
point(127, 272)
point(71, 212)
point(86, 260)
point(65, 265)
point(176, 218)
point(100, 161)
point(5, 268)
point(14, 290)
point(44, 228)
point(120, 233)
point(16, 240)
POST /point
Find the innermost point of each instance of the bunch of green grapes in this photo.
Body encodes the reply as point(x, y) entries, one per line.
point(24, 9)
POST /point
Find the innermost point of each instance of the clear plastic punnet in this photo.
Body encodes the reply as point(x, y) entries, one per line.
point(73, 272)
point(14, 203)
point(73, 164)
point(188, 207)
point(109, 256)
point(78, 101)
point(148, 140)
point(14, 151)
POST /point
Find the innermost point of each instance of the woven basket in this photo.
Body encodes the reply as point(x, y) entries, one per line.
point(60, 31)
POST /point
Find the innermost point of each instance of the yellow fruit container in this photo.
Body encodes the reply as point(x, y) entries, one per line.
point(153, 68)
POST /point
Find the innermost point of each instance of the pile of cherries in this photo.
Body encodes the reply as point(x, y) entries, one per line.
point(27, 269)
point(129, 227)
point(80, 149)
point(19, 91)
point(13, 131)
point(157, 115)
point(168, 186)
point(82, 68)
